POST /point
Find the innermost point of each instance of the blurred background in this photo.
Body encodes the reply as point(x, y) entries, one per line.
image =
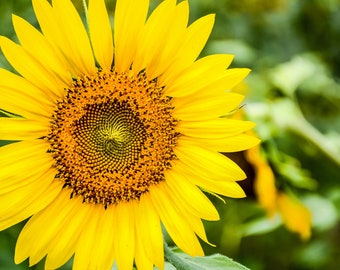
point(290, 218)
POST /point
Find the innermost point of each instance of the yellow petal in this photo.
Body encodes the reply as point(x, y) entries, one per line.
point(208, 69)
point(21, 97)
point(39, 48)
point(226, 82)
point(141, 259)
point(297, 217)
point(175, 224)
point(75, 35)
point(200, 109)
point(22, 129)
point(103, 256)
point(167, 24)
point(130, 16)
point(149, 230)
point(210, 84)
point(100, 33)
point(60, 213)
point(22, 174)
point(50, 27)
point(207, 183)
point(25, 193)
point(191, 197)
point(213, 129)
point(189, 49)
point(62, 244)
point(175, 33)
point(154, 30)
point(124, 245)
point(264, 185)
point(235, 143)
point(194, 222)
point(40, 199)
point(96, 234)
point(64, 29)
point(79, 235)
point(31, 68)
point(13, 153)
point(205, 162)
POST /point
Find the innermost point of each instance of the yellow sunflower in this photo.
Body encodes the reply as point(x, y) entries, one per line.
point(116, 134)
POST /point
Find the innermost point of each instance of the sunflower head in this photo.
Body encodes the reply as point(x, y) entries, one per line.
point(112, 137)
point(116, 134)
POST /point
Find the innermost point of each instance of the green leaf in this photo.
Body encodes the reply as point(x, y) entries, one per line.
point(261, 225)
point(213, 262)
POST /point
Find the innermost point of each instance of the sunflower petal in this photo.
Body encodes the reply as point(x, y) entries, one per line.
point(30, 68)
point(208, 162)
point(226, 188)
point(51, 29)
point(214, 129)
point(75, 35)
point(235, 143)
point(100, 33)
point(168, 22)
point(26, 208)
point(21, 97)
point(84, 253)
point(194, 222)
point(207, 68)
point(60, 213)
point(209, 84)
point(61, 245)
point(129, 21)
point(21, 129)
point(195, 39)
point(39, 48)
point(154, 30)
point(191, 197)
point(175, 224)
point(124, 244)
point(200, 109)
point(175, 33)
point(149, 231)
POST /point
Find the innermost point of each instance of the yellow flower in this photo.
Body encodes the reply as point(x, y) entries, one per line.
point(295, 216)
point(264, 182)
point(116, 134)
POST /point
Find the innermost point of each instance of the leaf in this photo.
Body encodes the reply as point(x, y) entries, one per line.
point(261, 225)
point(212, 262)
point(167, 266)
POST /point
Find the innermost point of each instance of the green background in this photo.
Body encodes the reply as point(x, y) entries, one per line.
point(292, 47)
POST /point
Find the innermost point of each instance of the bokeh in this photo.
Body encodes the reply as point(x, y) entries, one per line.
point(293, 95)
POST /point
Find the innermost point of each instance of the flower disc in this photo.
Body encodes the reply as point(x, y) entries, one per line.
point(112, 137)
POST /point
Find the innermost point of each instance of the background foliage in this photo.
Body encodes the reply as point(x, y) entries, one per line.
point(292, 48)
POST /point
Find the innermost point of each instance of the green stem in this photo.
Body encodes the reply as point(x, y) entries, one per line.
point(287, 115)
point(85, 10)
point(304, 129)
point(175, 260)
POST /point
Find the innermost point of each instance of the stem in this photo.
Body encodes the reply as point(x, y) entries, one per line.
point(85, 10)
point(308, 132)
point(287, 115)
point(174, 259)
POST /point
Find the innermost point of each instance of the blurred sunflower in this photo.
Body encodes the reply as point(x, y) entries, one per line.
point(116, 134)
point(295, 215)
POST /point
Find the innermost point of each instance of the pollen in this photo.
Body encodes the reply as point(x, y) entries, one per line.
point(112, 137)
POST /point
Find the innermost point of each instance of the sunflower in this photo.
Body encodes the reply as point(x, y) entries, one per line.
point(115, 134)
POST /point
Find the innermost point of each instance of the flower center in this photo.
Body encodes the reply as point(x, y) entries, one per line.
point(112, 137)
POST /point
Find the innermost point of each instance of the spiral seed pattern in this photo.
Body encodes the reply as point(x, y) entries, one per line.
point(112, 137)
point(109, 135)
